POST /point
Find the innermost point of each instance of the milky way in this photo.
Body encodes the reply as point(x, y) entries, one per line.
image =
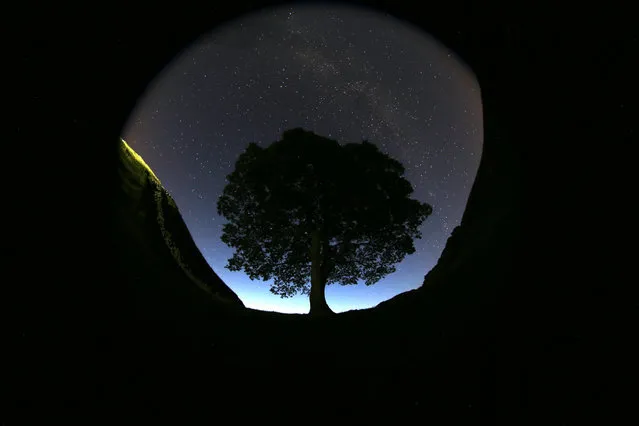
point(346, 73)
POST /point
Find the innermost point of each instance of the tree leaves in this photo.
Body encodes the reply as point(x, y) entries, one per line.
point(277, 196)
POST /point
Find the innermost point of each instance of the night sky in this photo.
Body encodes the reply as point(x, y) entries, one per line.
point(346, 73)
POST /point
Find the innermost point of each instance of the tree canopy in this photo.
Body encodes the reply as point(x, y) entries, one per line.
point(306, 212)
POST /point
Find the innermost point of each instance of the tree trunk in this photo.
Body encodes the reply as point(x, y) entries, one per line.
point(318, 278)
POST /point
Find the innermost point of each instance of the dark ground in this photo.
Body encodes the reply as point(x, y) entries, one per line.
point(527, 319)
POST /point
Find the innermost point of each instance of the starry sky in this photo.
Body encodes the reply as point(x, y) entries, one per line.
point(342, 72)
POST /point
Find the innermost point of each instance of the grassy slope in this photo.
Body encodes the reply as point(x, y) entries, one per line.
point(162, 282)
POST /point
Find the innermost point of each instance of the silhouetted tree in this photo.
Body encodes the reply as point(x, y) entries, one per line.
point(308, 207)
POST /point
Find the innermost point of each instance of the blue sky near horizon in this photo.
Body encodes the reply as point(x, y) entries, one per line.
point(342, 72)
